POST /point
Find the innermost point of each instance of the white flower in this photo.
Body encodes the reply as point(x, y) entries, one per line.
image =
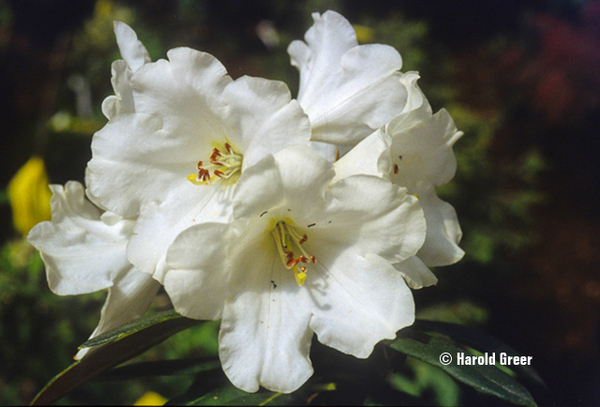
point(84, 251)
point(194, 131)
point(298, 257)
point(347, 90)
point(414, 150)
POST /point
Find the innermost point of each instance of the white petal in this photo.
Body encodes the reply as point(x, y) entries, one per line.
point(263, 333)
point(185, 92)
point(294, 184)
point(265, 337)
point(147, 249)
point(422, 147)
point(135, 161)
point(258, 189)
point(122, 102)
point(331, 35)
point(372, 156)
point(415, 97)
point(372, 216)
point(347, 90)
point(132, 50)
point(360, 301)
point(129, 298)
point(416, 273)
point(134, 56)
point(443, 231)
point(82, 253)
point(305, 175)
point(198, 270)
point(264, 118)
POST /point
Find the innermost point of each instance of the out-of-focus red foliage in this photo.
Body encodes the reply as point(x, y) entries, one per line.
point(565, 273)
point(561, 78)
point(546, 90)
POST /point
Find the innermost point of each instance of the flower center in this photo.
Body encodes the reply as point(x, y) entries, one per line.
point(222, 164)
point(290, 242)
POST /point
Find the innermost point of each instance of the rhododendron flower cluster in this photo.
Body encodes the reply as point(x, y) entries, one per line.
point(281, 217)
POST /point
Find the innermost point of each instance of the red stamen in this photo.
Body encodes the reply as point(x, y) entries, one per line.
point(304, 239)
point(204, 175)
point(313, 259)
point(228, 147)
point(293, 262)
point(216, 153)
point(219, 174)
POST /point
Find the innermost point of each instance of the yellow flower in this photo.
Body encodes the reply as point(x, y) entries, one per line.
point(29, 195)
point(150, 398)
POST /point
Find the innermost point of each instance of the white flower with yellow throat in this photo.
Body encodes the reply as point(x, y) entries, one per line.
point(298, 257)
point(173, 161)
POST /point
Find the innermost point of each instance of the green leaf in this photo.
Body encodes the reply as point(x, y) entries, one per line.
point(204, 383)
point(214, 389)
point(131, 327)
point(477, 340)
point(132, 341)
point(487, 379)
point(425, 380)
point(266, 399)
point(232, 396)
point(178, 367)
point(223, 396)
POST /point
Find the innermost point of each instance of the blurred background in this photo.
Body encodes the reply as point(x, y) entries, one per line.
point(521, 78)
